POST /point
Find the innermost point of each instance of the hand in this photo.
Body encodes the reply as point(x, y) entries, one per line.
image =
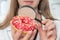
point(49, 31)
point(17, 35)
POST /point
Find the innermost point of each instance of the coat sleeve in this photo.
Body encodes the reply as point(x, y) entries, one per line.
point(58, 29)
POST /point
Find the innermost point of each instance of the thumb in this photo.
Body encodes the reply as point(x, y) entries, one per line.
point(45, 21)
point(39, 27)
point(42, 33)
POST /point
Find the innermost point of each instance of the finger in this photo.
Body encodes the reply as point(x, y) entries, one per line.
point(40, 29)
point(45, 21)
point(51, 27)
point(42, 33)
point(49, 23)
point(12, 27)
point(33, 35)
point(13, 31)
point(51, 33)
point(28, 35)
point(17, 35)
point(39, 26)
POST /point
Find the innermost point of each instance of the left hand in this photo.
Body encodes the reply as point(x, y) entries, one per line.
point(17, 34)
point(49, 32)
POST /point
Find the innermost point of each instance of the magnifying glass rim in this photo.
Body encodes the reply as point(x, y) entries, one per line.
point(26, 6)
point(33, 10)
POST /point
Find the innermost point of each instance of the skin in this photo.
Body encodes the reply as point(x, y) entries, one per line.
point(17, 35)
point(34, 4)
point(48, 33)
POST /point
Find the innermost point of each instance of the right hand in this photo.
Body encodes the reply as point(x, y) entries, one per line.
point(17, 34)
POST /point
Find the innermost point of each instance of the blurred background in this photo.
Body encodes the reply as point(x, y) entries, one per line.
point(55, 8)
point(4, 8)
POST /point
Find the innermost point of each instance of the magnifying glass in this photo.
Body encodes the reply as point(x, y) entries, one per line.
point(29, 12)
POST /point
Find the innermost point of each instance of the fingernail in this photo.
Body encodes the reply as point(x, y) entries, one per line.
point(42, 21)
point(35, 30)
point(30, 31)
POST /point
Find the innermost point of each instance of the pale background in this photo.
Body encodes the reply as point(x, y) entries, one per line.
point(4, 8)
point(55, 8)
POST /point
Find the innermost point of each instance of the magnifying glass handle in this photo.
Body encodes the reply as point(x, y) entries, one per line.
point(38, 20)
